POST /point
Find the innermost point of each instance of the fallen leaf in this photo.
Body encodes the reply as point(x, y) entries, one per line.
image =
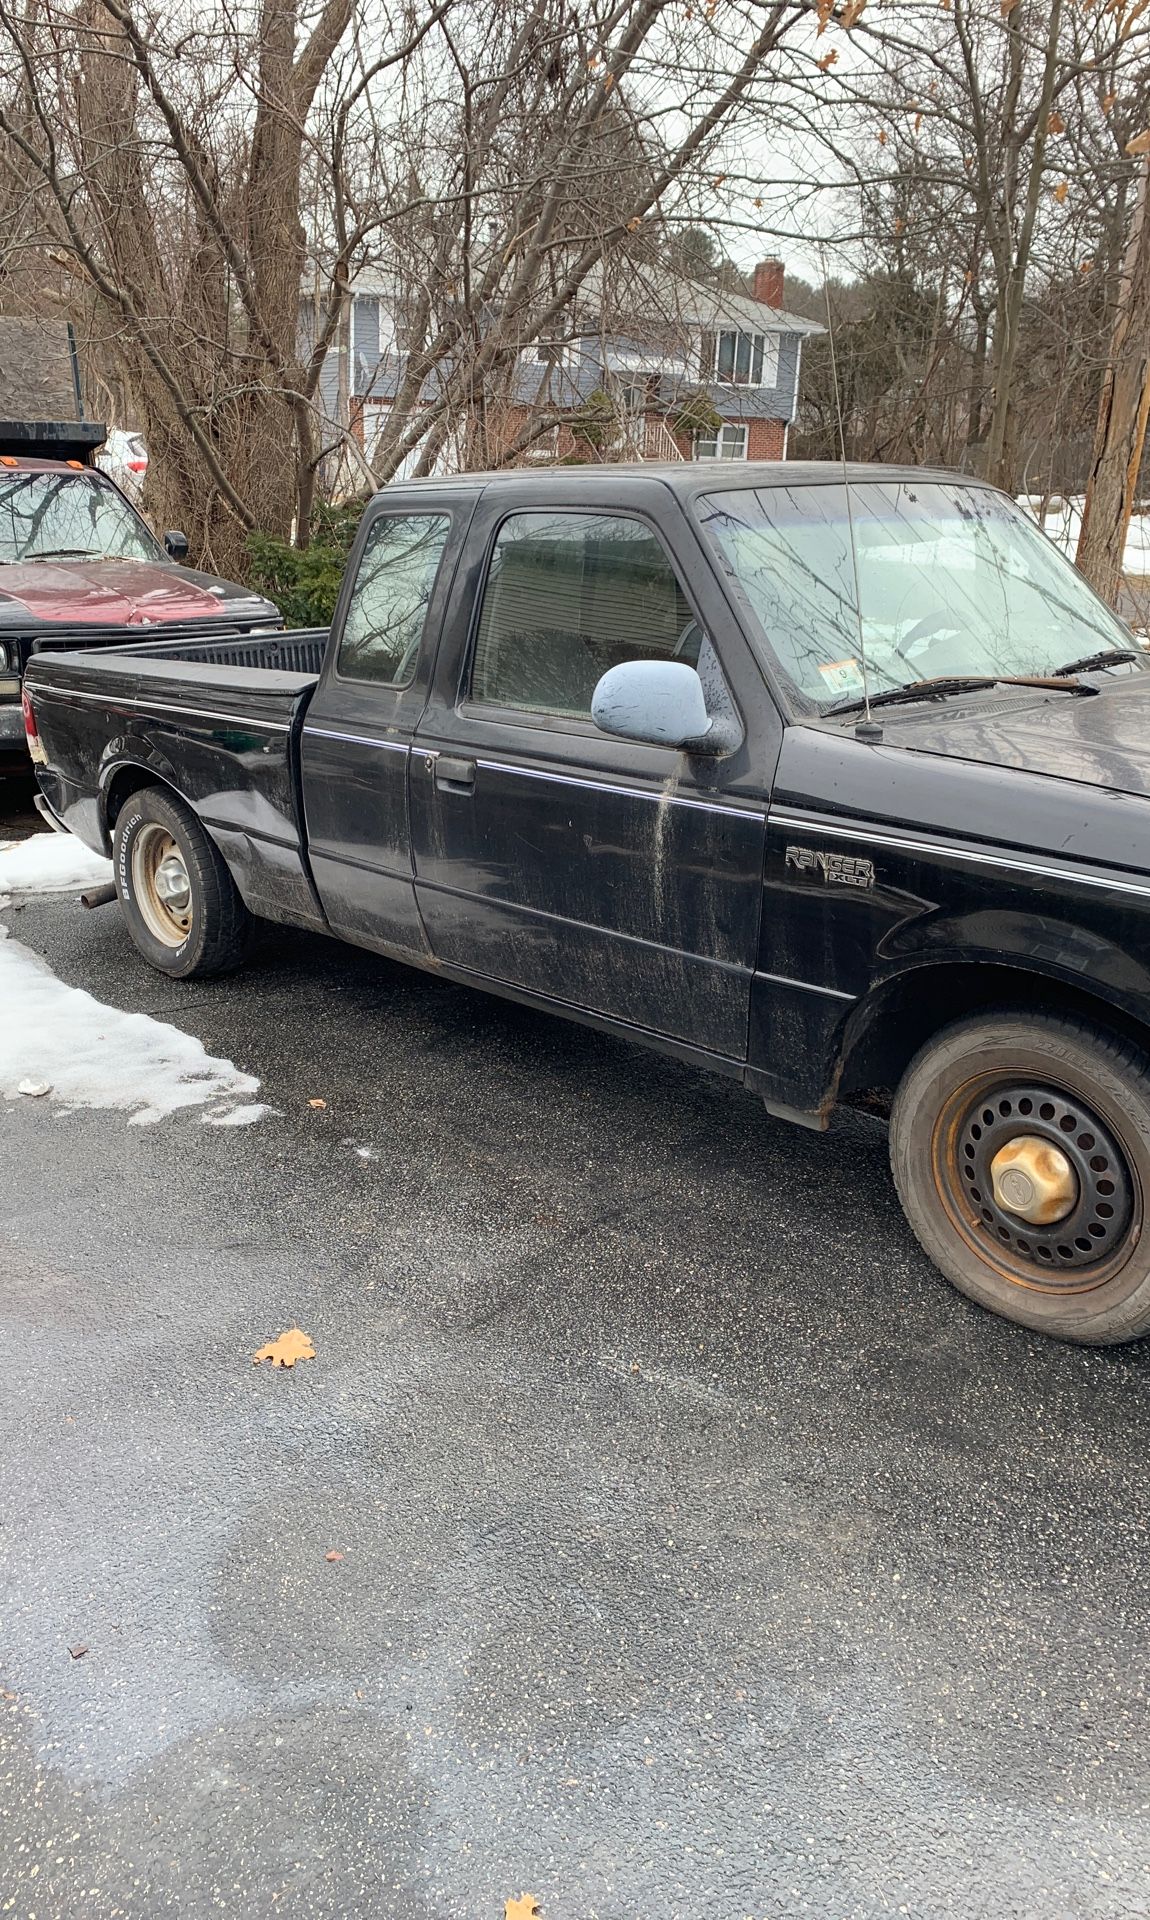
point(78, 1652)
point(35, 1089)
point(525, 1908)
point(291, 1346)
point(333, 1555)
point(317, 1103)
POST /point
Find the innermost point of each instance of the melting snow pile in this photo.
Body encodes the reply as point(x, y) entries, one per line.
point(49, 863)
point(89, 1054)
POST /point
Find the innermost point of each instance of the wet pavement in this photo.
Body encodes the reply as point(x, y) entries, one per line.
point(703, 1553)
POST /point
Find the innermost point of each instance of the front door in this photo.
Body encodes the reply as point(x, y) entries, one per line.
point(614, 877)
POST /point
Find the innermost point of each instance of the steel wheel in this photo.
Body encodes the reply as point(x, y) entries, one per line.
point(161, 885)
point(1020, 1146)
point(1036, 1183)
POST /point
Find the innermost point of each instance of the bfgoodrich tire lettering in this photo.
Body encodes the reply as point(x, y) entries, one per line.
point(180, 902)
point(1059, 1084)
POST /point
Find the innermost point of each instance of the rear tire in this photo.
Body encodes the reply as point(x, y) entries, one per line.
point(180, 902)
point(1020, 1147)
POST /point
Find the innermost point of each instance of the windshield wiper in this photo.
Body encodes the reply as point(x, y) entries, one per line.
point(945, 684)
point(64, 553)
point(1105, 657)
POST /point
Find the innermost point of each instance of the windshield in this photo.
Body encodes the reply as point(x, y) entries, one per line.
point(68, 515)
point(952, 579)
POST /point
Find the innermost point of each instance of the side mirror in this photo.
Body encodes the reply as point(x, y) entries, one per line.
point(176, 544)
point(661, 701)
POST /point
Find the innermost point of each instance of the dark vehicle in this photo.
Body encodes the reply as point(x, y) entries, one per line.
point(599, 740)
point(79, 567)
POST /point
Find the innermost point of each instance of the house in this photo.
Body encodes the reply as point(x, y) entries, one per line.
point(648, 367)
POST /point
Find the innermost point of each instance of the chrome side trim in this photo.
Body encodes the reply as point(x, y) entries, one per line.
point(160, 706)
point(904, 843)
point(807, 986)
point(357, 739)
point(629, 793)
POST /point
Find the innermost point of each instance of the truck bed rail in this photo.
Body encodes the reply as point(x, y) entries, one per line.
point(298, 651)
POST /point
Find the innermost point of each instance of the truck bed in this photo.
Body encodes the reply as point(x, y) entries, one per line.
point(215, 719)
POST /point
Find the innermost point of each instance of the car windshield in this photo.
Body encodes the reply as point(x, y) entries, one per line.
point(952, 580)
point(68, 515)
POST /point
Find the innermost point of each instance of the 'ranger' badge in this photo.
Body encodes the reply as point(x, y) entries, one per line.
point(839, 869)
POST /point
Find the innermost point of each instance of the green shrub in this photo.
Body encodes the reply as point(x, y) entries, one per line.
point(304, 582)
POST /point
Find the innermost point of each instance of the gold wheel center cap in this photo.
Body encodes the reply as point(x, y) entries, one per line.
point(1034, 1180)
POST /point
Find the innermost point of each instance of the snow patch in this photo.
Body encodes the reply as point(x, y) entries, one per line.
point(50, 863)
point(91, 1055)
point(1062, 523)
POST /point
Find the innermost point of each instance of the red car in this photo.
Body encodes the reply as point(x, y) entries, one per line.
point(79, 567)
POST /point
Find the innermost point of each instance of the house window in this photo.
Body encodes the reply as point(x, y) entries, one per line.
point(741, 359)
point(730, 443)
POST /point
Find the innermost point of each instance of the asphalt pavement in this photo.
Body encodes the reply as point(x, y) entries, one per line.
point(703, 1555)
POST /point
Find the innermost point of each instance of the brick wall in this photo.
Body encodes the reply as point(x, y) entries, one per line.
point(766, 439)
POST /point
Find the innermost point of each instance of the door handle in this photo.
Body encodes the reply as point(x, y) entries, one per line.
point(454, 776)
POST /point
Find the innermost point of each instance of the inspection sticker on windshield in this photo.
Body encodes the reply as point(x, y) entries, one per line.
point(842, 676)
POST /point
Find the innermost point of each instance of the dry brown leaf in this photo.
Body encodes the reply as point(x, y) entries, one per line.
point(335, 1554)
point(900, 224)
point(1108, 100)
point(1055, 123)
point(1139, 145)
point(525, 1908)
point(826, 8)
point(882, 136)
point(917, 121)
point(291, 1346)
point(1085, 266)
point(79, 1651)
point(634, 225)
point(828, 61)
point(851, 12)
point(317, 1103)
point(1007, 7)
point(1061, 191)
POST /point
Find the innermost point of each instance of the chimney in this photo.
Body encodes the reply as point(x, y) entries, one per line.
point(767, 283)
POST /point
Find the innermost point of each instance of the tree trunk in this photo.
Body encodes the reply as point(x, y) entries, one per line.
point(1120, 434)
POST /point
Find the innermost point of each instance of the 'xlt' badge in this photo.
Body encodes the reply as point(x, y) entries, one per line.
point(841, 869)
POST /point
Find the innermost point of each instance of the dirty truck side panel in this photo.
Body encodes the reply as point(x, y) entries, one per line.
point(222, 738)
point(604, 875)
point(885, 867)
point(356, 739)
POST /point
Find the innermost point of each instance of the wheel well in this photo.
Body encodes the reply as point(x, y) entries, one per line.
point(124, 783)
point(887, 1031)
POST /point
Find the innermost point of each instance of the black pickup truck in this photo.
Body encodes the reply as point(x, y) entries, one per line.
point(833, 780)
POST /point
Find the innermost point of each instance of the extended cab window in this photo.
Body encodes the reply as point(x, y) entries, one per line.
point(567, 596)
point(388, 607)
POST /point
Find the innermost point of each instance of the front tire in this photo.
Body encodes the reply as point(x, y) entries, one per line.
point(179, 900)
point(1020, 1147)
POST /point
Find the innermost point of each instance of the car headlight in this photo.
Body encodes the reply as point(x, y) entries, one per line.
point(6, 659)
